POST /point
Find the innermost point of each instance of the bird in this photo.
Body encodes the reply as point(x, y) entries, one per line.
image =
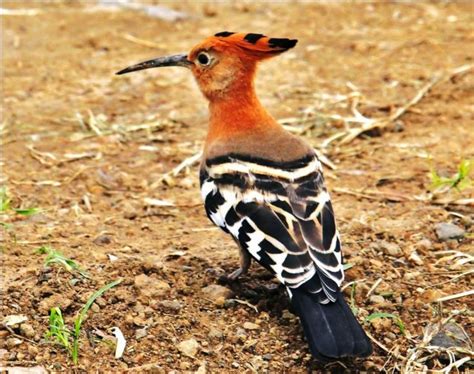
point(265, 187)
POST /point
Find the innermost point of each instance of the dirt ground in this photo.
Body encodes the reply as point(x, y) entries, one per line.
point(95, 152)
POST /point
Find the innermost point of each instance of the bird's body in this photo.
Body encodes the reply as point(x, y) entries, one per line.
point(265, 187)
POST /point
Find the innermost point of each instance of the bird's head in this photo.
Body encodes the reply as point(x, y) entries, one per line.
point(223, 62)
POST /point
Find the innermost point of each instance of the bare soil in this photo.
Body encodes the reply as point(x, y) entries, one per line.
point(72, 148)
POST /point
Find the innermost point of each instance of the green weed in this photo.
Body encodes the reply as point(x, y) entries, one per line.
point(395, 318)
point(5, 208)
point(4, 200)
point(354, 308)
point(57, 329)
point(459, 181)
point(69, 338)
point(55, 257)
point(27, 211)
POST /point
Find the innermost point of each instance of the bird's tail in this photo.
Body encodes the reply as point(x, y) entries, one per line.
point(331, 329)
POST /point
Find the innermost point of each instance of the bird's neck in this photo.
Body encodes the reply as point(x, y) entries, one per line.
point(238, 113)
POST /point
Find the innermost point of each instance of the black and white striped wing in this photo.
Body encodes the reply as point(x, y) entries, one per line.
point(281, 214)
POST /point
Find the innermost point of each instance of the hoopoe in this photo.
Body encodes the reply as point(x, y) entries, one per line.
point(265, 187)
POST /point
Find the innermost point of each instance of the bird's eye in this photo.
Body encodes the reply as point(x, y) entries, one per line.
point(204, 59)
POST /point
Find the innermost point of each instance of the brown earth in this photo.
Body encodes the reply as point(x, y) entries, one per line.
point(71, 147)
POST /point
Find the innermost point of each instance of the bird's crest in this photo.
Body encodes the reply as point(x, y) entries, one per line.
point(253, 45)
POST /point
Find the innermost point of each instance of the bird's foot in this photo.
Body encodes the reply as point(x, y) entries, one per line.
point(234, 276)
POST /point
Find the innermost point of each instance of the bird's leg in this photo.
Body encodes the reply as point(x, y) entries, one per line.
point(244, 265)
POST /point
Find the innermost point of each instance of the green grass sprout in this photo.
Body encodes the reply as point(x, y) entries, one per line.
point(4, 200)
point(395, 318)
point(62, 335)
point(5, 205)
point(27, 211)
point(354, 308)
point(458, 181)
point(347, 266)
point(55, 257)
point(79, 319)
point(58, 330)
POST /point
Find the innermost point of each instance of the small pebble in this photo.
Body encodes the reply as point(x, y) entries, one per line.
point(173, 305)
point(141, 333)
point(447, 231)
point(391, 249)
point(150, 287)
point(215, 333)
point(14, 320)
point(377, 299)
point(424, 244)
point(13, 342)
point(415, 258)
point(451, 335)
point(216, 292)
point(102, 240)
point(251, 326)
point(188, 347)
point(27, 330)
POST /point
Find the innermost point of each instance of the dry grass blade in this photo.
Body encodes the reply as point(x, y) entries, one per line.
point(391, 351)
point(368, 124)
point(186, 163)
point(455, 296)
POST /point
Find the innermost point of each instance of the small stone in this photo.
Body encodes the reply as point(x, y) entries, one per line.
point(45, 305)
point(235, 365)
point(415, 258)
point(27, 330)
point(391, 249)
point(14, 320)
point(215, 333)
point(377, 299)
point(188, 347)
point(130, 213)
point(267, 357)
point(201, 369)
point(172, 305)
point(410, 275)
point(13, 342)
point(141, 333)
point(381, 324)
point(33, 351)
point(187, 182)
point(251, 326)
point(446, 231)
point(102, 240)
point(424, 244)
point(287, 315)
point(100, 301)
point(451, 335)
point(240, 335)
point(217, 293)
point(150, 287)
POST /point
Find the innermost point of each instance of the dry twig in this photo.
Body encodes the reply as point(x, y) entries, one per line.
point(367, 124)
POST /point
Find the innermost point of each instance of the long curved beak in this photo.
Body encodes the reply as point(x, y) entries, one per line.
point(176, 60)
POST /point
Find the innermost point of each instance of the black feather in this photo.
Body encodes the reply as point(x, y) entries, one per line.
point(253, 38)
point(331, 329)
point(224, 34)
point(282, 43)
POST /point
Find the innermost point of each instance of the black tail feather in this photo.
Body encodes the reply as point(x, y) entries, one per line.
point(331, 329)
